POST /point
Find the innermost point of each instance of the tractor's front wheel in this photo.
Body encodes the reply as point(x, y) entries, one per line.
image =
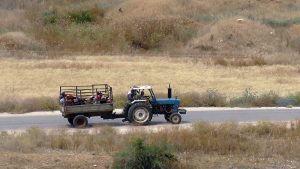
point(175, 118)
point(140, 114)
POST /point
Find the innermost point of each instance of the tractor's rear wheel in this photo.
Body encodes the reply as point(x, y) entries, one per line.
point(175, 118)
point(70, 120)
point(139, 114)
point(80, 121)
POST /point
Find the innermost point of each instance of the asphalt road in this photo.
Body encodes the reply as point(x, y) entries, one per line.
point(56, 121)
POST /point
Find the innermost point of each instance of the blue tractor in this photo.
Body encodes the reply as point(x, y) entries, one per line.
point(142, 104)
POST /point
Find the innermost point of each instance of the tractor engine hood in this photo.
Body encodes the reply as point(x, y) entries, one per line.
point(168, 101)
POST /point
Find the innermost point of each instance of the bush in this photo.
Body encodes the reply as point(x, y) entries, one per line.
point(296, 98)
point(190, 100)
point(50, 17)
point(210, 98)
point(80, 17)
point(267, 99)
point(140, 156)
point(246, 100)
point(251, 99)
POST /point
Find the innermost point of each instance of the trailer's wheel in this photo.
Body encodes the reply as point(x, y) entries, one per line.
point(70, 120)
point(140, 114)
point(175, 118)
point(167, 117)
point(80, 121)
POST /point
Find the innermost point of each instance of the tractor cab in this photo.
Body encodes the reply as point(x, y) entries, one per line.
point(141, 93)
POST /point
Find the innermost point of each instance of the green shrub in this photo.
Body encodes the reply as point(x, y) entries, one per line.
point(296, 98)
point(141, 156)
point(80, 16)
point(266, 99)
point(250, 98)
point(50, 17)
point(246, 100)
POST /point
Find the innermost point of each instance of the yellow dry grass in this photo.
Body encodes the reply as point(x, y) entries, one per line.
point(33, 78)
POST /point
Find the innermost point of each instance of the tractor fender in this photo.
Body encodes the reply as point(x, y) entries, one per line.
point(136, 101)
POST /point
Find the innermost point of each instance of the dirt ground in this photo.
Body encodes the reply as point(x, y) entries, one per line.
point(83, 160)
point(54, 159)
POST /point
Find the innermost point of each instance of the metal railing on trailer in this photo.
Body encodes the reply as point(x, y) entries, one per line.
point(88, 91)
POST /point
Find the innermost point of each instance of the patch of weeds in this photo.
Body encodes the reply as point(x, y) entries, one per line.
point(265, 129)
point(296, 98)
point(50, 17)
point(80, 17)
point(140, 155)
point(281, 22)
point(266, 99)
point(246, 100)
point(210, 98)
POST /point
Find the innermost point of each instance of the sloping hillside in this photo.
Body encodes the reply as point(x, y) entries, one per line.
point(189, 27)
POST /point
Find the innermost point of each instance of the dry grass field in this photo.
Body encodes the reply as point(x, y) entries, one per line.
point(224, 146)
point(33, 84)
point(23, 78)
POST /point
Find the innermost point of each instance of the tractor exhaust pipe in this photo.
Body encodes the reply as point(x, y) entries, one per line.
point(169, 92)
